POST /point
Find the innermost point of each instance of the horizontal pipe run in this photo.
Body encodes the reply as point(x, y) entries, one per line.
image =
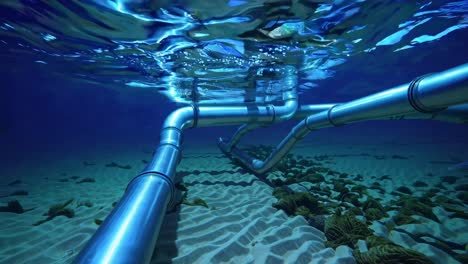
point(301, 112)
point(428, 94)
point(449, 88)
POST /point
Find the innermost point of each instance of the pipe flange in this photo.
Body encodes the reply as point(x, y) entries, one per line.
point(330, 120)
point(166, 178)
point(413, 97)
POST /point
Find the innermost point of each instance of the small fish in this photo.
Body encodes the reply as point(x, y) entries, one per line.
point(463, 166)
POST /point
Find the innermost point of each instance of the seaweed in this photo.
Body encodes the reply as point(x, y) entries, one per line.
point(463, 196)
point(86, 180)
point(385, 177)
point(359, 188)
point(414, 206)
point(15, 182)
point(56, 210)
point(404, 189)
point(196, 202)
point(85, 203)
point(16, 193)
point(420, 184)
point(14, 206)
point(300, 203)
point(449, 179)
point(463, 187)
point(344, 229)
point(389, 253)
point(116, 165)
point(399, 157)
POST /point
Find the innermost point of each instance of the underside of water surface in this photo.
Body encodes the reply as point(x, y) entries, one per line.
point(87, 85)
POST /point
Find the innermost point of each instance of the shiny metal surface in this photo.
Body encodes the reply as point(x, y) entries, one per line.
point(127, 234)
point(443, 89)
point(453, 114)
point(433, 94)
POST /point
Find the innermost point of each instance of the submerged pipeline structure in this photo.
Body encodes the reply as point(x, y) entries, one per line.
point(129, 233)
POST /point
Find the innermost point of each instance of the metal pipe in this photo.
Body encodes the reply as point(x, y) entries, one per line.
point(129, 233)
point(302, 112)
point(454, 114)
point(426, 96)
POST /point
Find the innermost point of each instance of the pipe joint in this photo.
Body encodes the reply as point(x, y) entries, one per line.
point(163, 177)
point(414, 100)
point(329, 116)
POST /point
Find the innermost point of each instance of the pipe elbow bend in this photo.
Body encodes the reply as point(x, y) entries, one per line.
point(182, 118)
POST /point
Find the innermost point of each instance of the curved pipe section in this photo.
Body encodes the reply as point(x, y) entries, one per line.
point(302, 112)
point(427, 96)
point(129, 233)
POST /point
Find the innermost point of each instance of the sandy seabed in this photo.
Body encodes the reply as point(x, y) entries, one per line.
point(240, 224)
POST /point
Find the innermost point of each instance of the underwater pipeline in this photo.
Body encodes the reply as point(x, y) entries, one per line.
point(129, 233)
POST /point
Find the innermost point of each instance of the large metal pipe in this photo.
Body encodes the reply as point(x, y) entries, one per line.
point(129, 233)
point(426, 96)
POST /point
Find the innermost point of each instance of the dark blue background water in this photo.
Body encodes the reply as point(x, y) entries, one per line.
point(42, 113)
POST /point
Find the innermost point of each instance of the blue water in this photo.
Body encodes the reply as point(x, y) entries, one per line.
point(80, 76)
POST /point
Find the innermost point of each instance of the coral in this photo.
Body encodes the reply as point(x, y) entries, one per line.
point(344, 230)
point(390, 254)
